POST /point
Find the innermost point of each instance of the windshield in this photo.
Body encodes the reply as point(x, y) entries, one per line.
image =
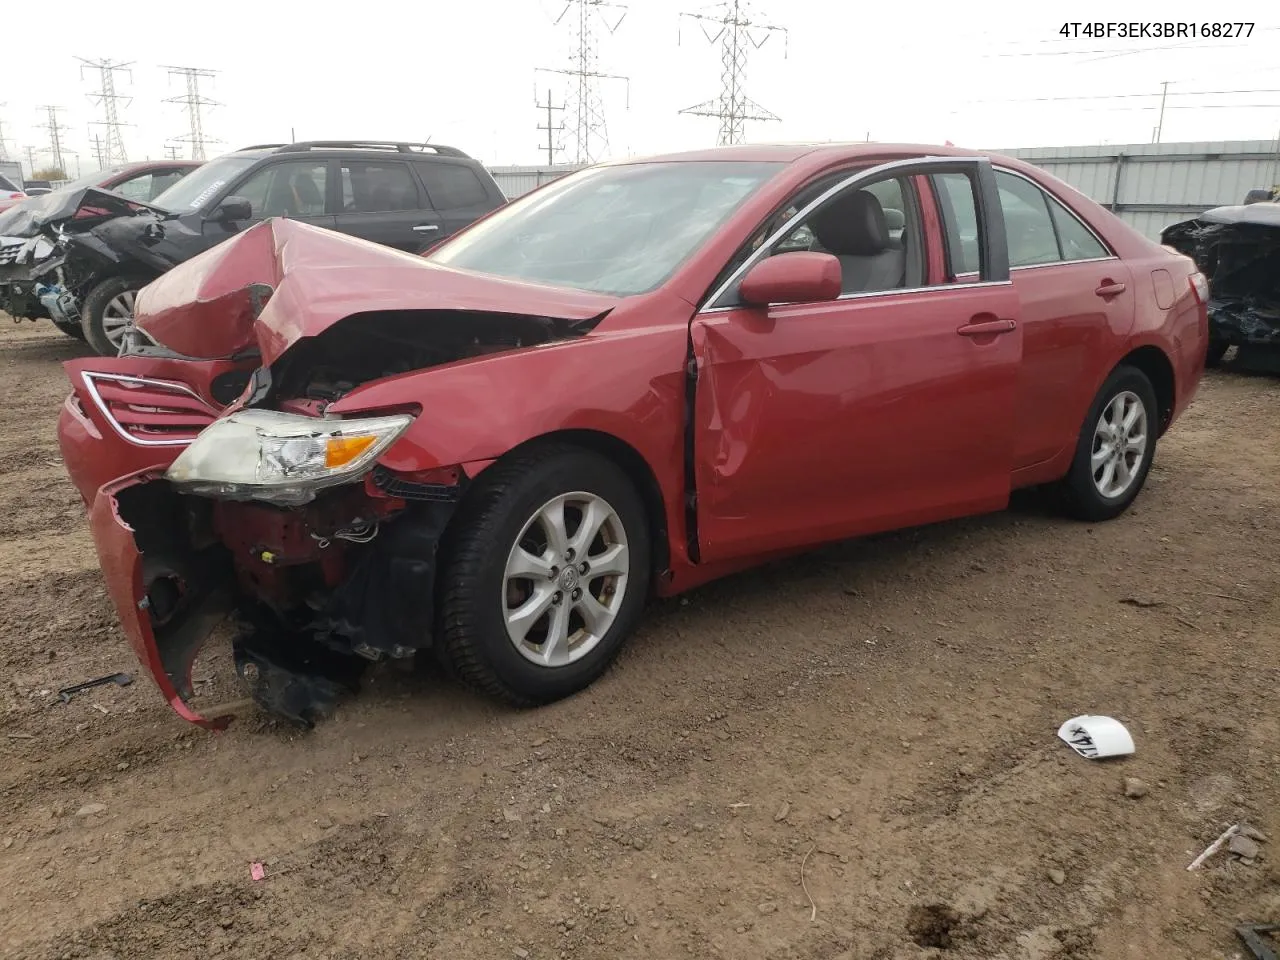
point(618, 230)
point(7, 184)
point(199, 186)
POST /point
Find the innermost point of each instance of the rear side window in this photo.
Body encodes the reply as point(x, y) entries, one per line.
point(452, 186)
point(1028, 227)
point(377, 187)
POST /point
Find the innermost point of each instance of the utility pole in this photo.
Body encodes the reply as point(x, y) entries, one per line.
point(194, 102)
point(55, 136)
point(106, 97)
point(737, 35)
point(98, 153)
point(590, 132)
point(1164, 92)
point(31, 161)
point(550, 127)
point(170, 152)
point(4, 151)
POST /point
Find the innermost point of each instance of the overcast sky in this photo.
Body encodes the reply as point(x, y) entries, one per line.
point(465, 74)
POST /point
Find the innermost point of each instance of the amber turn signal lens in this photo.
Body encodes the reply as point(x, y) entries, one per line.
point(339, 451)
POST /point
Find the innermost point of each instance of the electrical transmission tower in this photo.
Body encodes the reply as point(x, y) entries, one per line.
point(586, 108)
point(112, 150)
point(551, 128)
point(55, 130)
point(195, 102)
point(731, 26)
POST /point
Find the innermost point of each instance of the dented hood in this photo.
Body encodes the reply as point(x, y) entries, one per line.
point(282, 281)
point(75, 208)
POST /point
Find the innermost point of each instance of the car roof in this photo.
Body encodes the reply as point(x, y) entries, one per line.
point(792, 152)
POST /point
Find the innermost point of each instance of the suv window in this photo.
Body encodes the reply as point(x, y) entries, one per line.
point(294, 188)
point(452, 186)
point(375, 187)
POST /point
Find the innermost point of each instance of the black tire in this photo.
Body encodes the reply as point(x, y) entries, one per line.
point(95, 302)
point(1080, 496)
point(1216, 351)
point(472, 627)
point(70, 329)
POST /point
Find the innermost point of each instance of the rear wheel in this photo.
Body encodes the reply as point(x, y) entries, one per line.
point(1115, 448)
point(546, 576)
point(107, 313)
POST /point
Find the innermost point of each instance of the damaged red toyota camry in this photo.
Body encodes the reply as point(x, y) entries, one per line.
point(635, 379)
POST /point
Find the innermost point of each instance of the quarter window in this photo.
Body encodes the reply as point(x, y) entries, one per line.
point(1028, 226)
point(452, 186)
point(1077, 242)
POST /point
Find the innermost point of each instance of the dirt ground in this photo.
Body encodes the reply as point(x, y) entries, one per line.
point(852, 755)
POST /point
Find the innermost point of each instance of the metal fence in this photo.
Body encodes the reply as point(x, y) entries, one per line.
point(1149, 185)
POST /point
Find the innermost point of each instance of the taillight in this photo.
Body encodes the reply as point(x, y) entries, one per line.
point(1200, 287)
point(17, 196)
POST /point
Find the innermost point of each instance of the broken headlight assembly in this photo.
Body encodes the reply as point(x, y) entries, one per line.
point(281, 458)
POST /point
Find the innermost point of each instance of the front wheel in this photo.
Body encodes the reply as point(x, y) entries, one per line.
point(107, 313)
point(545, 577)
point(1115, 448)
point(70, 328)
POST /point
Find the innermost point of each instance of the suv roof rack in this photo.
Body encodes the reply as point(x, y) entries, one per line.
point(304, 145)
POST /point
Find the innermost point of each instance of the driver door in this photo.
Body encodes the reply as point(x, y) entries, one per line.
point(890, 406)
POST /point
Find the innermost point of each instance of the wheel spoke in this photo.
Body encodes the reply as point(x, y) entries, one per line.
point(555, 651)
point(523, 565)
point(1101, 456)
point(595, 615)
point(1108, 476)
point(614, 561)
point(1123, 473)
point(1131, 417)
point(521, 620)
point(1117, 410)
point(595, 516)
point(552, 521)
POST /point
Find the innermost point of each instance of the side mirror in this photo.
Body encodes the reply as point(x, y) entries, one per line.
point(233, 208)
point(801, 277)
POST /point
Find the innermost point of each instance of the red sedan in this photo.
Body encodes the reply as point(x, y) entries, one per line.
point(638, 378)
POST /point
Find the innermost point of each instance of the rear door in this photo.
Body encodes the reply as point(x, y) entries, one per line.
point(457, 194)
point(1077, 302)
point(383, 202)
point(890, 406)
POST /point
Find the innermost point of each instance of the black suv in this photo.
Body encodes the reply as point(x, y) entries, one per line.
point(407, 196)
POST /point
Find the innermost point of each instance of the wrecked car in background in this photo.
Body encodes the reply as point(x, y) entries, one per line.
point(406, 196)
point(1238, 249)
point(494, 454)
point(36, 282)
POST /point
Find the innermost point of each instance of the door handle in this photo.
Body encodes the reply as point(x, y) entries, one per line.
point(1109, 289)
point(986, 328)
point(426, 227)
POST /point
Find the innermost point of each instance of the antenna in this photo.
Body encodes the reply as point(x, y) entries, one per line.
point(550, 107)
point(113, 150)
point(586, 109)
point(194, 102)
point(737, 35)
point(55, 135)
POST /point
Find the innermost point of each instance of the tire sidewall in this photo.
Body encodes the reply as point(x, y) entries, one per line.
point(95, 303)
point(1081, 477)
point(564, 474)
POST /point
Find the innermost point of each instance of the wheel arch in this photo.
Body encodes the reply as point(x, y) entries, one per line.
point(1155, 363)
point(638, 471)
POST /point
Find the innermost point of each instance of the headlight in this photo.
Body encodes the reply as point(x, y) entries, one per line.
point(282, 458)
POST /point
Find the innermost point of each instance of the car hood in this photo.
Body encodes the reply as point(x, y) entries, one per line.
point(79, 208)
point(282, 281)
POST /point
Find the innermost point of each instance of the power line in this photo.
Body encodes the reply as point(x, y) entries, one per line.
point(550, 128)
point(1124, 96)
point(112, 151)
point(590, 131)
point(195, 103)
point(737, 34)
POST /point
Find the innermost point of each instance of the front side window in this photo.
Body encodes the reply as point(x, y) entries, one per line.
point(621, 230)
point(369, 187)
point(291, 189)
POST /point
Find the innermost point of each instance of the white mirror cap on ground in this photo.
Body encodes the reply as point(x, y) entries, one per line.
point(1096, 737)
